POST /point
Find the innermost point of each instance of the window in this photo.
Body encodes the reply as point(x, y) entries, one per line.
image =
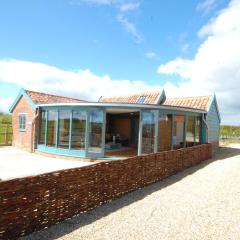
point(78, 129)
point(95, 130)
point(141, 99)
point(64, 128)
point(42, 127)
point(148, 131)
point(22, 122)
point(51, 128)
point(190, 131)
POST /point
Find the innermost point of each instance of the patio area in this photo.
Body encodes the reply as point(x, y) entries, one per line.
point(15, 163)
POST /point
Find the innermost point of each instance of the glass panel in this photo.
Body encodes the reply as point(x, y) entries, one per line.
point(95, 130)
point(190, 131)
point(148, 131)
point(51, 128)
point(78, 129)
point(64, 128)
point(198, 130)
point(178, 136)
point(164, 132)
point(42, 126)
point(22, 121)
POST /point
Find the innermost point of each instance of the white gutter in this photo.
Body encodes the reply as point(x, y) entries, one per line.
point(120, 105)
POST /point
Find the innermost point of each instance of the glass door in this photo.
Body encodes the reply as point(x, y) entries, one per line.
point(149, 135)
point(96, 132)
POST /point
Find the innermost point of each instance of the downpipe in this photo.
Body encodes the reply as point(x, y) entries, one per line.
point(206, 124)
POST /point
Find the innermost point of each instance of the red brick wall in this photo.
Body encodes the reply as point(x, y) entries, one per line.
point(32, 203)
point(23, 139)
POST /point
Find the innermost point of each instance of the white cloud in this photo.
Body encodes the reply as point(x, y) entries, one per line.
point(206, 5)
point(152, 55)
point(185, 47)
point(5, 104)
point(216, 65)
point(130, 27)
point(81, 84)
point(125, 7)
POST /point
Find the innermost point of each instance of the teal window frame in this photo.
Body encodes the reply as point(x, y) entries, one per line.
point(22, 122)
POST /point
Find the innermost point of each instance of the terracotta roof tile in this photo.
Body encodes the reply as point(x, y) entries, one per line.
point(42, 98)
point(197, 102)
point(148, 98)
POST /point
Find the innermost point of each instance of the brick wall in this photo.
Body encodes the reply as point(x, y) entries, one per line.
point(23, 139)
point(32, 203)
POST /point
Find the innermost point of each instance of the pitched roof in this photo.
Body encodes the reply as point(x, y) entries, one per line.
point(138, 98)
point(41, 98)
point(196, 102)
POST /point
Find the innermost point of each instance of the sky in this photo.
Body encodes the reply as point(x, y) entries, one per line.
point(93, 48)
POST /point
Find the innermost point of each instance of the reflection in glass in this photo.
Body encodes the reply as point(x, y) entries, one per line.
point(95, 130)
point(51, 128)
point(64, 128)
point(198, 130)
point(42, 126)
point(148, 131)
point(78, 129)
point(190, 131)
point(178, 136)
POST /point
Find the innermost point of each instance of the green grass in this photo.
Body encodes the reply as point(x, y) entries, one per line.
point(230, 131)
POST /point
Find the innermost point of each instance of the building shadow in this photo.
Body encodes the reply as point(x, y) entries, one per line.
point(69, 225)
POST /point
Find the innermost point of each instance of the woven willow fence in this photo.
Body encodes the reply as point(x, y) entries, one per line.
point(32, 203)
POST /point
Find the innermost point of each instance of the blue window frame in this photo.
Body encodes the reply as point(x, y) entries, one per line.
point(22, 122)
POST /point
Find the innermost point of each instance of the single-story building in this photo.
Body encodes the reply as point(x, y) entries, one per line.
point(113, 127)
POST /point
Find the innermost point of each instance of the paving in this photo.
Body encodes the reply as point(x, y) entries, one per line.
point(202, 202)
point(18, 163)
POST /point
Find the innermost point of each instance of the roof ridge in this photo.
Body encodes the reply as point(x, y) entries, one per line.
point(189, 97)
point(54, 95)
point(134, 94)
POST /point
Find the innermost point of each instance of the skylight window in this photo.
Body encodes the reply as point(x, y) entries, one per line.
point(141, 99)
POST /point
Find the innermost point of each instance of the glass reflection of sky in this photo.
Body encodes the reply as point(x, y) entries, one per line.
point(96, 115)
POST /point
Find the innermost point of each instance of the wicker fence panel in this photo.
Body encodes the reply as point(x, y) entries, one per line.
point(32, 203)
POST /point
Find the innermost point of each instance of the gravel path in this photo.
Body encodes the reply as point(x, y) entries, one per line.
point(15, 163)
point(202, 202)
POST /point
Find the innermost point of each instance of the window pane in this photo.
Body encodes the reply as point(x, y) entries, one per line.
point(198, 129)
point(64, 129)
point(42, 125)
point(148, 131)
point(178, 135)
point(51, 128)
point(78, 129)
point(190, 131)
point(95, 130)
point(22, 121)
point(164, 132)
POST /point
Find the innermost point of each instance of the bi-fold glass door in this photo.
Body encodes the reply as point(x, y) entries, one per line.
point(149, 131)
point(96, 132)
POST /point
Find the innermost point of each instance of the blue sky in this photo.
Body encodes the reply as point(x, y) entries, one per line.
point(105, 40)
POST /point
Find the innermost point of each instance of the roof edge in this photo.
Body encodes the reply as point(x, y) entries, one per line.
point(22, 93)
